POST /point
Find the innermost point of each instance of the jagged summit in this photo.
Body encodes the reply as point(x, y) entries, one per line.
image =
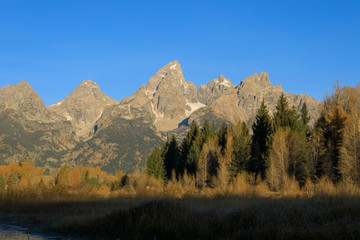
point(121, 135)
point(20, 97)
point(170, 72)
point(83, 106)
point(24, 84)
point(88, 83)
point(257, 80)
point(86, 87)
point(215, 88)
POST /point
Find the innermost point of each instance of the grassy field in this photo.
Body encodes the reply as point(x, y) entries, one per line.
point(217, 217)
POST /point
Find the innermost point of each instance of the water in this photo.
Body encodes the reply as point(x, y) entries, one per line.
point(10, 232)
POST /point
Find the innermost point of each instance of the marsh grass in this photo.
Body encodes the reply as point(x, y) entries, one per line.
point(146, 208)
point(226, 218)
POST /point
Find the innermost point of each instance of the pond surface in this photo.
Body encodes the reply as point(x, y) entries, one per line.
point(10, 232)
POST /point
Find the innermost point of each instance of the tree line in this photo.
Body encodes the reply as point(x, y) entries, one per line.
point(281, 146)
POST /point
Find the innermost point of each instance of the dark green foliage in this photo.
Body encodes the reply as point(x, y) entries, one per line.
point(327, 137)
point(261, 141)
point(304, 115)
point(155, 165)
point(171, 157)
point(300, 164)
point(333, 140)
point(193, 157)
point(285, 116)
point(186, 145)
point(207, 132)
point(222, 136)
point(242, 148)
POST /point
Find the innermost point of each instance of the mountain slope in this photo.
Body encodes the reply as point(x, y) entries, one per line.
point(242, 102)
point(30, 132)
point(90, 128)
point(83, 107)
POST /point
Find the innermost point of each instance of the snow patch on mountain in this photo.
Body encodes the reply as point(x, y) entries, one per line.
point(193, 107)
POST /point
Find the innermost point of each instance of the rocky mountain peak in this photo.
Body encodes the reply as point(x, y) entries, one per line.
point(24, 85)
point(223, 81)
point(261, 80)
point(86, 89)
point(83, 106)
point(215, 88)
point(170, 72)
point(20, 97)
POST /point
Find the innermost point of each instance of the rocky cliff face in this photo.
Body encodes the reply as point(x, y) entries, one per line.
point(214, 89)
point(242, 102)
point(90, 128)
point(83, 107)
point(167, 97)
point(29, 131)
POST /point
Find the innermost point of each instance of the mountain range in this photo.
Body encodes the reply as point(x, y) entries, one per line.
point(90, 128)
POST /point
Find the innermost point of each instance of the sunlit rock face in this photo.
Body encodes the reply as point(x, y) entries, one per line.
point(83, 107)
point(90, 128)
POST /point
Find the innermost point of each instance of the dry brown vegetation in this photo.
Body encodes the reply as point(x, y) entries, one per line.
point(308, 187)
point(146, 208)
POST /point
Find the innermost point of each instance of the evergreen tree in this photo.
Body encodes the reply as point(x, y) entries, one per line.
point(320, 157)
point(334, 138)
point(222, 136)
point(281, 113)
point(304, 115)
point(285, 116)
point(193, 156)
point(261, 141)
point(171, 157)
point(304, 121)
point(185, 147)
point(242, 148)
point(155, 164)
point(316, 152)
point(207, 132)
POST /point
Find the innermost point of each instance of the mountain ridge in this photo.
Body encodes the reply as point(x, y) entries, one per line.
point(90, 128)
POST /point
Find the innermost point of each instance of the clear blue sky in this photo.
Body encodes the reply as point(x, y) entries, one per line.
point(54, 45)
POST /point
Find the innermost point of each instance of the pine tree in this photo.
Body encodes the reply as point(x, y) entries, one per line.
point(285, 116)
point(304, 115)
point(155, 165)
point(242, 148)
point(193, 156)
point(222, 136)
point(281, 113)
point(171, 157)
point(261, 141)
point(207, 132)
point(335, 135)
point(187, 143)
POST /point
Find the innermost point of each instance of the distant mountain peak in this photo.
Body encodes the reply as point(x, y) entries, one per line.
point(222, 80)
point(173, 65)
point(20, 96)
point(88, 83)
point(24, 84)
point(170, 72)
point(214, 89)
point(83, 106)
point(257, 80)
